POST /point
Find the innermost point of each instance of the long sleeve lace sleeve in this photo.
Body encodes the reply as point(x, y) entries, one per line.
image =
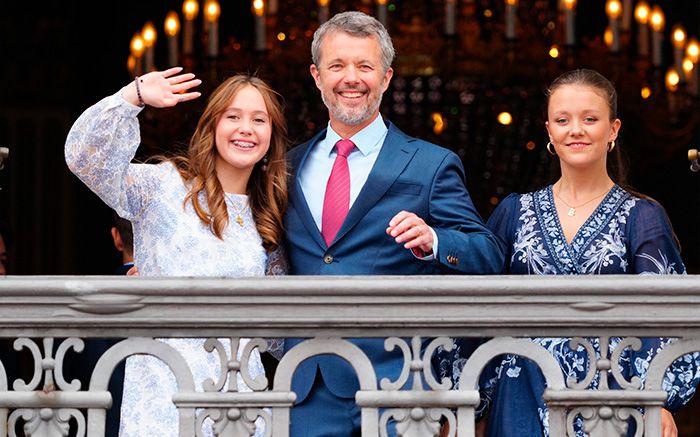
point(276, 266)
point(99, 149)
point(277, 263)
point(656, 253)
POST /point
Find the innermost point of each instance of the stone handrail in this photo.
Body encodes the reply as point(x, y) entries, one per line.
point(404, 310)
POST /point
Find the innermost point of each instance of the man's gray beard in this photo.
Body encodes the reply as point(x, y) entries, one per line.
point(351, 119)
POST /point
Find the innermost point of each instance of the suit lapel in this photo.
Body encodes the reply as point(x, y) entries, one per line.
point(397, 151)
point(297, 195)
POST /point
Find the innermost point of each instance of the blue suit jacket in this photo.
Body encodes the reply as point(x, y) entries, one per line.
point(409, 174)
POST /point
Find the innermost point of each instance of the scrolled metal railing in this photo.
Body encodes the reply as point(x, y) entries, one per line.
point(404, 310)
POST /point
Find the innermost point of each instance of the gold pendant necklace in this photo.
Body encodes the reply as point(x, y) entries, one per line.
point(239, 218)
point(572, 209)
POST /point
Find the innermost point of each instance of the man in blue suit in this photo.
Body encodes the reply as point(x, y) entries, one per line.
point(403, 210)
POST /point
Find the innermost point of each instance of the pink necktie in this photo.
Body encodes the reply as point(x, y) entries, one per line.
point(336, 202)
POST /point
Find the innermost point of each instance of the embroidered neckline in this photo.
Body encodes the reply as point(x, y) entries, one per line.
point(566, 255)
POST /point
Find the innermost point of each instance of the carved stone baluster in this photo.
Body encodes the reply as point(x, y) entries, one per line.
point(607, 420)
point(414, 418)
point(238, 420)
point(47, 422)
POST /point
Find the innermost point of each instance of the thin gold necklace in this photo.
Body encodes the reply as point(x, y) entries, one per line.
point(240, 211)
point(572, 209)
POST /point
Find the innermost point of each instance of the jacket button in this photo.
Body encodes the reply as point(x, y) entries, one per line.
point(328, 259)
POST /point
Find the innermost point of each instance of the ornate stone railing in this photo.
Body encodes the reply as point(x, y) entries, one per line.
point(327, 309)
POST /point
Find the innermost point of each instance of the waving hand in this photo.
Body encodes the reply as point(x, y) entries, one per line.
point(162, 89)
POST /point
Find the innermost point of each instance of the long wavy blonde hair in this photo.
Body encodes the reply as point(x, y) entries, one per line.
point(267, 188)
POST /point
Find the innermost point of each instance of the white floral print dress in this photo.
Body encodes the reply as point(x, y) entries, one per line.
point(169, 240)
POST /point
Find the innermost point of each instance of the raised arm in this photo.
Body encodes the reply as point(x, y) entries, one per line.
point(104, 139)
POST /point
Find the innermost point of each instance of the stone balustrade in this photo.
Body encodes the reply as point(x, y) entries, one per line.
point(51, 316)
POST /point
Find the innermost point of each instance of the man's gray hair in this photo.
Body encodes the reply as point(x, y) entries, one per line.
point(358, 24)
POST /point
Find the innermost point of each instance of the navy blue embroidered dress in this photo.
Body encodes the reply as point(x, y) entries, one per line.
point(625, 234)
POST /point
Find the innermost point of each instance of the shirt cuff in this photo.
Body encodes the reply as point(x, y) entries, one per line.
point(431, 256)
point(126, 108)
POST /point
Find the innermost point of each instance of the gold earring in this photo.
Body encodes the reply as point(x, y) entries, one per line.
point(550, 149)
point(611, 146)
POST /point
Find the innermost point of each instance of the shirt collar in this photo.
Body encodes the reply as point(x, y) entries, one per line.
point(365, 140)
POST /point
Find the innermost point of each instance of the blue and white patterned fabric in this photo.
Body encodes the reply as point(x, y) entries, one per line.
point(169, 240)
point(625, 234)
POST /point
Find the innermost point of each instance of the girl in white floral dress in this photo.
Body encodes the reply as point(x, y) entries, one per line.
point(216, 211)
